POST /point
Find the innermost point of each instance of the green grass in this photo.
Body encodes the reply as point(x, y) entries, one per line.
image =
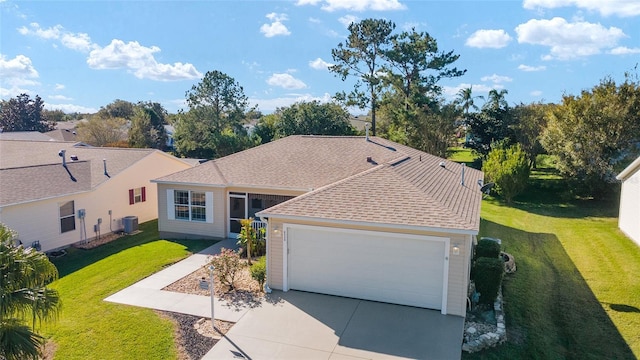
point(576, 293)
point(461, 155)
point(90, 328)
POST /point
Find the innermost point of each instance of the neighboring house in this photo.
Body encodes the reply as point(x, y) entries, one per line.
point(25, 135)
point(60, 193)
point(629, 218)
point(349, 216)
point(170, 131)
point(62, 134)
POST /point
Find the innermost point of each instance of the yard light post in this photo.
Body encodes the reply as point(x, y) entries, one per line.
point(213, 323)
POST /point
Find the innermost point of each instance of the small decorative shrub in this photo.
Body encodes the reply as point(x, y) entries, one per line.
point(251, 241)
point(487, 248)
point(226, 266)
point(259, 271)
point(487, 274)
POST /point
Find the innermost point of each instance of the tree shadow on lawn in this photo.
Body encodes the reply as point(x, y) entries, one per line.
point(554, 198)
point(77, 259)
point(551, 312)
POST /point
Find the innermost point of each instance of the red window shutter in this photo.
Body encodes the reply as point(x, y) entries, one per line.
point(131, 199)
point(144, 193)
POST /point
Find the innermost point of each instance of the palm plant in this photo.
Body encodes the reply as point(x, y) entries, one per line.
point(24, 297)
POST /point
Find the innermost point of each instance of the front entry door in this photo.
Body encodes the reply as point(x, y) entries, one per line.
point(237, 211)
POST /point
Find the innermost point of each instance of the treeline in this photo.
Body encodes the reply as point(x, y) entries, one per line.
point(592, 135)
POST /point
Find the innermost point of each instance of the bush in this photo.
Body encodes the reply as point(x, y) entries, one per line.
point(259, 271)
point(508, 168)
point(488, 277)
point(487, 248)
point(226, 266)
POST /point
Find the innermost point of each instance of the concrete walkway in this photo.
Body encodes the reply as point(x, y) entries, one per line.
point(148, 292)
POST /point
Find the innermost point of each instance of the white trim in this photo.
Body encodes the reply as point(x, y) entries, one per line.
point(177, 183)
point(231, 194)
point(445, 276)
point(629, 170)
point(171, 205)
point(349, 223)
point(231, 185)
point(285, 256)
point(445, 240)
point(208, 198)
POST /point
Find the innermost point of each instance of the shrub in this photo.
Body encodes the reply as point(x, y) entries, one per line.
point(259, 271)
point(226, 266)
point(251, 241)
point(509, 169)
point(487, 248)
point(488, 277)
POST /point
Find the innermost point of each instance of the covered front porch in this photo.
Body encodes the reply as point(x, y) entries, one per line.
point(244, 205)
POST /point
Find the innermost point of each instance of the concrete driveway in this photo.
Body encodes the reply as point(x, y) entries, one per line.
point(300, 325)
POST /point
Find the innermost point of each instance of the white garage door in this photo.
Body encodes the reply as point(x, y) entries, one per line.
point(394, 268)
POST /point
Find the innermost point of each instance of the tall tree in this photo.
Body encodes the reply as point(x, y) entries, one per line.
point(213, 125)
point(25, 298)
point(595, 134)
point(313, 118)
point(117, 109)
point(361, 55)
point(466, 100)
point(147, 126)
point(23, 114)
point(529, 122)
point(492, 124)
point(99, 131)
point(415, 66)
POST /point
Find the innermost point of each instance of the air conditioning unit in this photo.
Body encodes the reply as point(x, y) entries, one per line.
point(130, 224)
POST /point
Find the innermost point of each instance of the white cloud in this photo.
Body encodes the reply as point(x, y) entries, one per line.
point(355, 5)
point(286, 81)
point(80, 42)
point(496, 79)
point(276, 27)
point(270, 105)
point(71, 108)
point(568, 40)
point(536, 93)
point(622, 8)
point(623, 50)
point(59, 87)
point(19, 67)
point(315, 20)
point(34, 29)
point(17, 73)
point(494, 39)
point(60, 97)
point(140, 60)
point(319, 64)
point(528, 68)
point(347, 20)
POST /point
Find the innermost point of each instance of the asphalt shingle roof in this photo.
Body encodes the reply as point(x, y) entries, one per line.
point(351, 179)
point(31, 170)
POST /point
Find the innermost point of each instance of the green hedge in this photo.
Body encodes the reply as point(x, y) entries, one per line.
point(488, 277)
point(487, 248)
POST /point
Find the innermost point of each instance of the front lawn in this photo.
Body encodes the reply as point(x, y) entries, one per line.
point(90, 328)
point(576, 294)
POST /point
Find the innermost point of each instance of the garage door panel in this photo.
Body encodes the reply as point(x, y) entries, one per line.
point(373, 266)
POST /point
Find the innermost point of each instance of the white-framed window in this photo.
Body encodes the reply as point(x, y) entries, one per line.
point(67, 216)
point(190, 205)
point(137, 195)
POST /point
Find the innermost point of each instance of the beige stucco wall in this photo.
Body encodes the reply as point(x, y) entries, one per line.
point(193, 229)
point(39, 220)
point(458, 264)
point(629, 220)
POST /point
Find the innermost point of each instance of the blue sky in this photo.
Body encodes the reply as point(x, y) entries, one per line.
point(81, 55)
